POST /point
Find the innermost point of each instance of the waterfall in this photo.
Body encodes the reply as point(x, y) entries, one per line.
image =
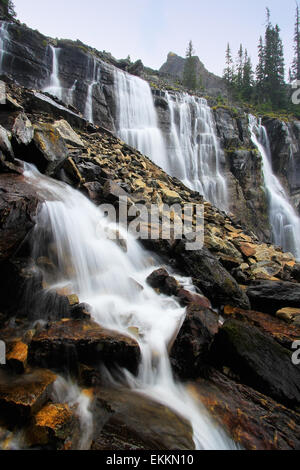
point(101, 274)
point(70, 94)
point(190, 151)
point(4, 36)
point(55, 87)
point(194, 152)
point(285, 223)
point(136, 119)
point(95, 79)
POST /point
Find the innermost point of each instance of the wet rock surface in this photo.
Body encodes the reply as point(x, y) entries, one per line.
point(22, 396)
point(65, 344)
point(258, 360)
point(134, 421)
point(254, 420)
point(189, 354)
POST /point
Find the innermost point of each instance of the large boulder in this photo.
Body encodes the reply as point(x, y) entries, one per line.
point(269, 296)
point(210, 276)
point(133, 421)
point(63, 345)
point(23, 396)
point(18, 207)
point(254, 420)
point(189, 354)
point(258, 360)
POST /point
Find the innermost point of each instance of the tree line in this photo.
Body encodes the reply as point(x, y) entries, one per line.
point(7, 8)
point(266, 84)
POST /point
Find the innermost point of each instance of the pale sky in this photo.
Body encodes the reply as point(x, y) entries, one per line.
point(149, 29)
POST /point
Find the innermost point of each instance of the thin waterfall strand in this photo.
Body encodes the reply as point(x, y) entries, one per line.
point(54, 87)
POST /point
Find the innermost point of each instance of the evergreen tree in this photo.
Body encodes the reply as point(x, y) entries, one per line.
point(247, 82)
point(7, 8)
point(295, 71)
point(270, 70)
point(260, 69)
point(239, 68)
point(190, 72)
point(228, 74)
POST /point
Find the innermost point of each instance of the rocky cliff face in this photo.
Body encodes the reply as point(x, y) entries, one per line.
point(212, 84)
point(87, 83)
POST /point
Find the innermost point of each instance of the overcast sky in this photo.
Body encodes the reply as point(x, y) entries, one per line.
point(149, 29)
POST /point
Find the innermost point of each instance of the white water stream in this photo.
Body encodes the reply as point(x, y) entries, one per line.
point(54, 87)
point(284, 221)
point(194, 152)
point(109, 280)
point(4, 37)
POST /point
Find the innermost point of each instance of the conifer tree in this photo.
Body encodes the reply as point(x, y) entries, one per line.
point(239, 68)
point(228, 74)
point(7, 8)
point(190, 72)
point(295, 71)
point(247, 83)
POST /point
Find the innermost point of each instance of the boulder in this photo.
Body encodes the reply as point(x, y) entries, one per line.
point(66, 343)
point(288, 314)
point(258, 360)
point(187, 297)
point(19, 204)
point(255, 421)
point(22, 396)
point(16, 357)
point(112, 191)
point(189, 354)
point(68, 133)
point(269, 296)
point(210, 276)
point(47, 151)
point(54, 426)
point(22, 130)
point(133, 421)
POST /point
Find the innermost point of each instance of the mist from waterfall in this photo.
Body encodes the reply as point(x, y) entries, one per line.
point(285, 223)
point(110, 280)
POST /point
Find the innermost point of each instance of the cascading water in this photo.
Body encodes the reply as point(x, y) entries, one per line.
point(92, 263)
point(136, 119)
point(190, 152)
point(88, 112)
point(284, 221)
point(4, 37)
point(194, 152)
point(55, 87)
